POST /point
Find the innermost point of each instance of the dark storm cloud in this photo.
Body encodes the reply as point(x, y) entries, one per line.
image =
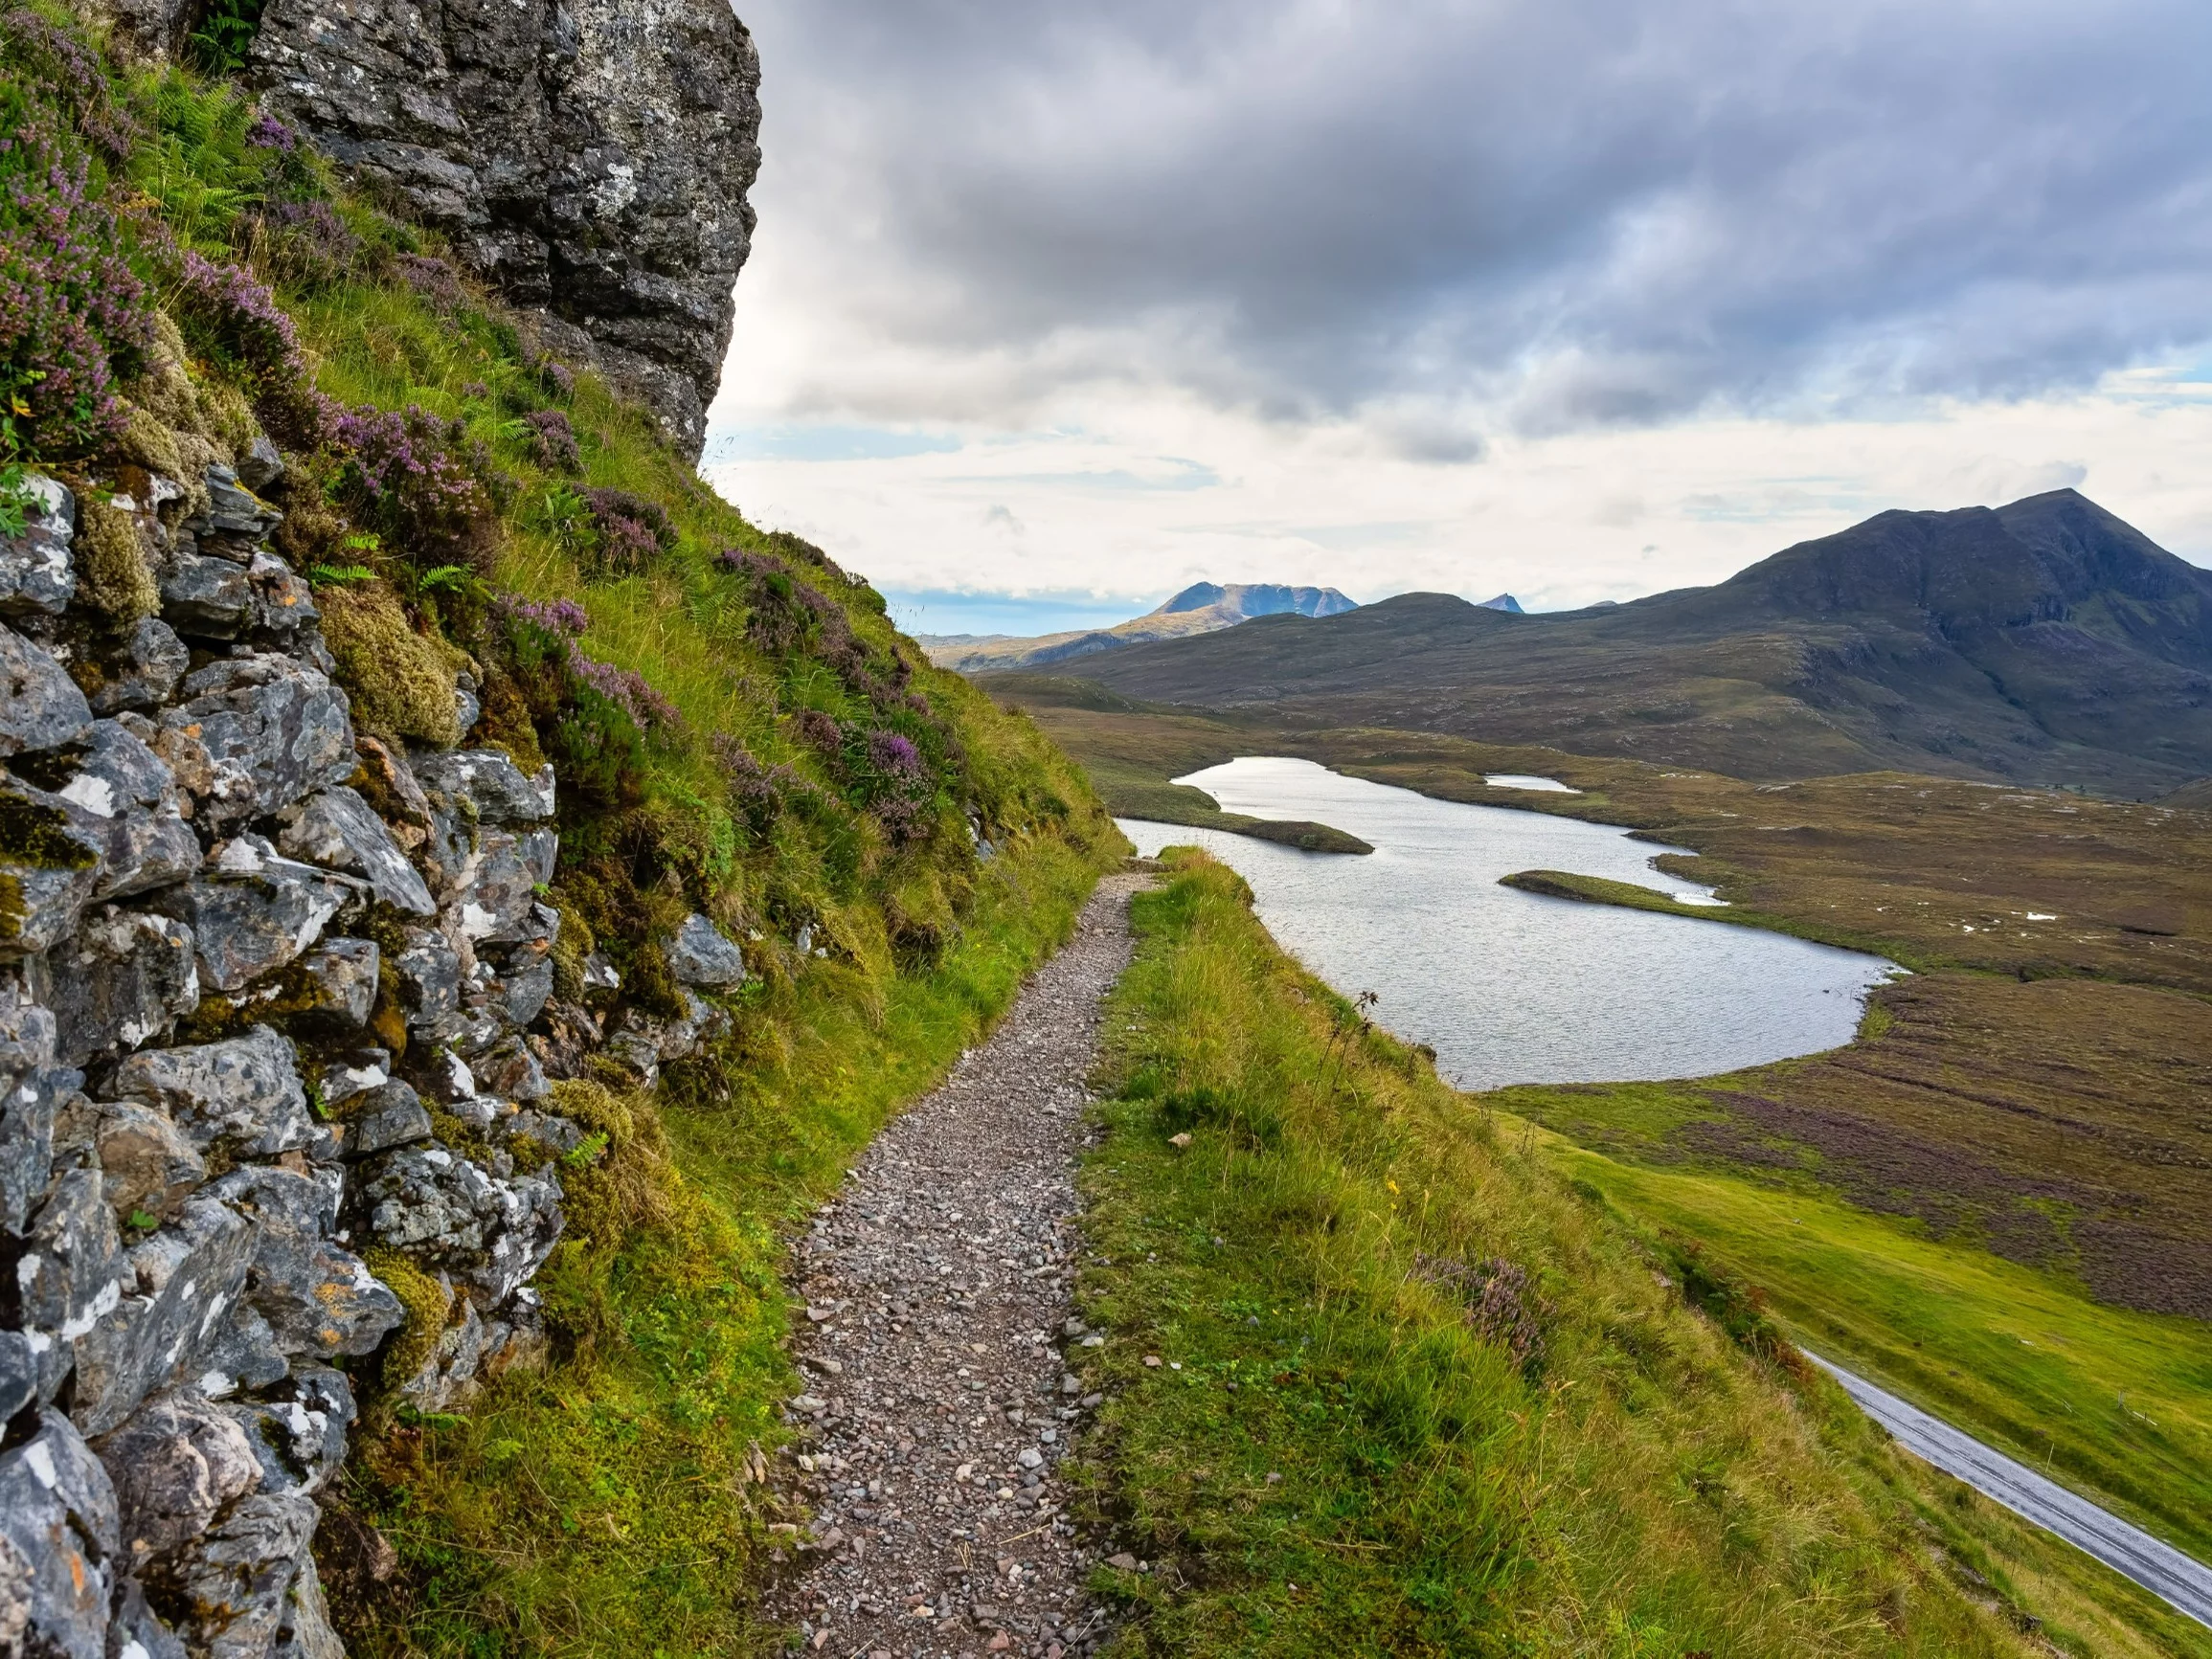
point(1562, 213)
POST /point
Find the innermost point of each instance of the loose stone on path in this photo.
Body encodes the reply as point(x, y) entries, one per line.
point(937, 1306)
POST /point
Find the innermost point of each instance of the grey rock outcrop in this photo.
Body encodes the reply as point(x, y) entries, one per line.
point(700, 955)
point(40, 706)
point(589, 157)
point(36, 572)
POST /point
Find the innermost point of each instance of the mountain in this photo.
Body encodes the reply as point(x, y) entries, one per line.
point(1503, 602)
point(2046, 642)
point(1202, 608)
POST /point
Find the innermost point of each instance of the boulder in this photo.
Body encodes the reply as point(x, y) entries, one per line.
point(389, 1116)
point(238, 1581)
point(148, 1163)
point(496, 891)
point(441, 1208)
point(132, 791)
point(51, 854)
point(59, 1540)
point(205, 599)
point(177, 1463)
point(182, 1280)
point(700, 954)
point(304, 1631)
point(155, 660)
point(261, 466)
point(271, 730)
point(18, 1374)
point(338, 983)
point(40, 706)
point(335, 829)
point(70, 1274)
point(520, 994)
point(36, 573)
point(353, 1072)
point(32, 1088)
point(428, 972)
point(135, 1621)
point(447, 1377)
point(318, 1297)
point(243, 1094)
point(234, 511)
point(298, 1435)
point(487, 786)
point(385, 781)
point(251, 911)
point(283, 603)
point(241, 1353)
point(121, 979)
point(509, 1068)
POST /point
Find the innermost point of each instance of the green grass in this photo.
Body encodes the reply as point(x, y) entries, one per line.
point(2116, 1404)
point(1573, 1460)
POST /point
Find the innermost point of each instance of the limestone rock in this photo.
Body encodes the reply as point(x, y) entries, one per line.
point(234, 511)
point(386, 781)
point(205, 599)
point(701, 956)
point(390, 1116)
point(183, 1278)
point(58, 1533)
point(238, 1581)
point(298, 1436)
point(448, 1377)
point(521, 994)
point(488, 786)
point(40, 706)
point(36, 573)
point(136, 1622)
point(123, 977)
point(155, 660)
point(282, 604)
point(335, 829)
point(70, 1274)
point(51, 854)
point(176, 1463)
point(497, 892)
point(318, 1297)
point(338, 980)
point(148, 1164)
point(511, 1069)
point(18, 1374)
point(270, 729)
point(242, 1353)
point(131, 792)
point(445, 1209)
point(429, 974)
point(243, 1094)
point(251, 911)
point(31, 1087)
point(590, 158)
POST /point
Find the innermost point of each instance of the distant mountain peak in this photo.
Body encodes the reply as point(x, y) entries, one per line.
point(1239, 601)
point(1503, 602)
point(1202, 608)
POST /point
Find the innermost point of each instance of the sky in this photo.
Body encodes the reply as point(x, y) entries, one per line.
point(1053, 310)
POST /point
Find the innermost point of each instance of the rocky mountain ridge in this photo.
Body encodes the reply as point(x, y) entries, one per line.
point(218, 1181)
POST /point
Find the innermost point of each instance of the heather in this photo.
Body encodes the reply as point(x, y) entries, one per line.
point(180, 277)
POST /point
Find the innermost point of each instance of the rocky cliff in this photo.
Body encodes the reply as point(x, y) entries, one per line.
point(590, 159)
point(266, 1094)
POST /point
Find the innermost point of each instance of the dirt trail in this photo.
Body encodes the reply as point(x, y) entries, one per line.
point(937, 1287)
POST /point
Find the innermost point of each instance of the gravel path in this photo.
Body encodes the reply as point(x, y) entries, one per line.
point(937, 1302)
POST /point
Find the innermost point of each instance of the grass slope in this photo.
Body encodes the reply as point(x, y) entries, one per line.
point(1418, 1395)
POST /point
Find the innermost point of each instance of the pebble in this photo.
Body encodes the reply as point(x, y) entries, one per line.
point(937, 1293)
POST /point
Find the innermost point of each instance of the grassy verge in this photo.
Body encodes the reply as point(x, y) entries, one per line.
point(613, 1505)
point(2114, 1403)
point(1418, 1395)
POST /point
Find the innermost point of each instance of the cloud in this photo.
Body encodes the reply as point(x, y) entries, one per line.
point(1444, 220)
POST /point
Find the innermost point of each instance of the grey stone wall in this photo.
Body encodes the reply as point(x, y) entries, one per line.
point(187, 1226)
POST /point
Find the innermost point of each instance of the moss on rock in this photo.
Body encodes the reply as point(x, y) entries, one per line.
point(402, 681)
point(113, 575)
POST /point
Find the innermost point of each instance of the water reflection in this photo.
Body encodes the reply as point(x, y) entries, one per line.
point(1510, 987)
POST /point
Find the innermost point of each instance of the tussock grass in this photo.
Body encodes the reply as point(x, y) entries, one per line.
point(1338, 1272)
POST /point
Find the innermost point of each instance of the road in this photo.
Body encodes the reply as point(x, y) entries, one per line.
point(2158, 1567)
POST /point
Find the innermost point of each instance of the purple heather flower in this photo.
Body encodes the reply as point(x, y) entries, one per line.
point(269, 133)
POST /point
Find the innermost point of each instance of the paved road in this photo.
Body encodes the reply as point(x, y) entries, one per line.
point(2157, 1566)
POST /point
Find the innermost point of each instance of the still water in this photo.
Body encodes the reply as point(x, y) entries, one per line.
point(1510, 987)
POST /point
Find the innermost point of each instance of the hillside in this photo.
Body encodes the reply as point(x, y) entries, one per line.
point(2046, 641)
point(1202, 608)
point(465, 891)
